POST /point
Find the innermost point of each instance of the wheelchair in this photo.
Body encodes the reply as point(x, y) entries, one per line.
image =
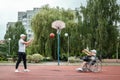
point(94, 65)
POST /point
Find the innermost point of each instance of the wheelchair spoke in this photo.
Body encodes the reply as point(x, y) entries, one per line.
point(96, 67)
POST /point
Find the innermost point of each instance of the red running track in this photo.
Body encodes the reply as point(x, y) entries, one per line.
point(58, 73)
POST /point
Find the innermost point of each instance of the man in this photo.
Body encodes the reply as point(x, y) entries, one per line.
point(21, 52)
point(87, 58)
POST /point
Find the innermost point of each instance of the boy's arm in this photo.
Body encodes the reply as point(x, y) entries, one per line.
point(86, 52)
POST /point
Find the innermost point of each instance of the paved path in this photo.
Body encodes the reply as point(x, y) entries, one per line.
point(54, 72)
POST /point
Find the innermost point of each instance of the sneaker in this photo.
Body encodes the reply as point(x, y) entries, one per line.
point(26, 70)
point(17, 70)
point(79, 69)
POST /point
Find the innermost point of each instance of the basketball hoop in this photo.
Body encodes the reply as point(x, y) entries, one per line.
point(58, 25)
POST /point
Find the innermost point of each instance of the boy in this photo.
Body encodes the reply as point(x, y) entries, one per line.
point(88, 58)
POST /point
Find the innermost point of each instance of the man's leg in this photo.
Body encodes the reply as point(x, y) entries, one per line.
point(18, 61)
point(24, 61)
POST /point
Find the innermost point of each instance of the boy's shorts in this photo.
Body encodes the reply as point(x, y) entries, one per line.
point(87, 58)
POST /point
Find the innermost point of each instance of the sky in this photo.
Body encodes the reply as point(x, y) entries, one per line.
point(9, 9)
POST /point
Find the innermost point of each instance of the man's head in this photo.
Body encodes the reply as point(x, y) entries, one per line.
point(23, 36)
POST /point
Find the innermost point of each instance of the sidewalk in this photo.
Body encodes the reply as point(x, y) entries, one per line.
point(111, 60)
point(61, 63)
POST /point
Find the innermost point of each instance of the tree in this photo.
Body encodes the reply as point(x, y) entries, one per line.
point(100, 19)
point(41, 26)
point(14, 32)
point(3, 51)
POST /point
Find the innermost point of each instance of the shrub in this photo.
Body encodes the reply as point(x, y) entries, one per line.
point(14, 56)
point(37, 57)
point(73, 59)
point(64, 57)
point(48, 59)
point(29, 58)
point(3, 56)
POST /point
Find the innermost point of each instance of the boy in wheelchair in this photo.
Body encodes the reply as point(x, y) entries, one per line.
point(88, 59)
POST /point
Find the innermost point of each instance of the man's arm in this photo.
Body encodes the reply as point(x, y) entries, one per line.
point(28, 42)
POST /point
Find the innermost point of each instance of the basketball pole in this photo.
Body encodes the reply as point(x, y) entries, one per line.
point(58, 25)
point(58, 50)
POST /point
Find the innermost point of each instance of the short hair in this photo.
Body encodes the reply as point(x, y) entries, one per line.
point(22, 35)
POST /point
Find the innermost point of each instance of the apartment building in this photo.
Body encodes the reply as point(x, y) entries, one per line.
point(25, 18)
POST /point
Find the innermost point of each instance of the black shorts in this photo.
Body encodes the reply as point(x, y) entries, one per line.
point(87, 58)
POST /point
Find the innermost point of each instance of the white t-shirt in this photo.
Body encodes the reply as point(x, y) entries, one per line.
point(21, 46)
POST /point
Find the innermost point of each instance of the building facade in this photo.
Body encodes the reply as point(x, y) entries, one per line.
point(25, 18)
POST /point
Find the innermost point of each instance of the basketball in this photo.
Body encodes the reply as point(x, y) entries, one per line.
point(52, 35)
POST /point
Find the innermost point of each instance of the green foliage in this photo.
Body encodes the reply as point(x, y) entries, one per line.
point(41, 26)
point(3, 56)
point(47, 59)
point(14, 32)
point(100, 25)
point(37, 58)
point(73, 59)
point(96, 28)
point(29, 58)
point(4, 49)
point(29, 49)
point(64, 56)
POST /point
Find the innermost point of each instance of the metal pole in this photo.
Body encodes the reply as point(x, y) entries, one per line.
point(68, 49)
point(117, 51)
point(9, 47)
point(58, 48)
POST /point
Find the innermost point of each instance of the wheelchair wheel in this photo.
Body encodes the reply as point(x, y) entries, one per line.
point(96, 67)
point(86, 67)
